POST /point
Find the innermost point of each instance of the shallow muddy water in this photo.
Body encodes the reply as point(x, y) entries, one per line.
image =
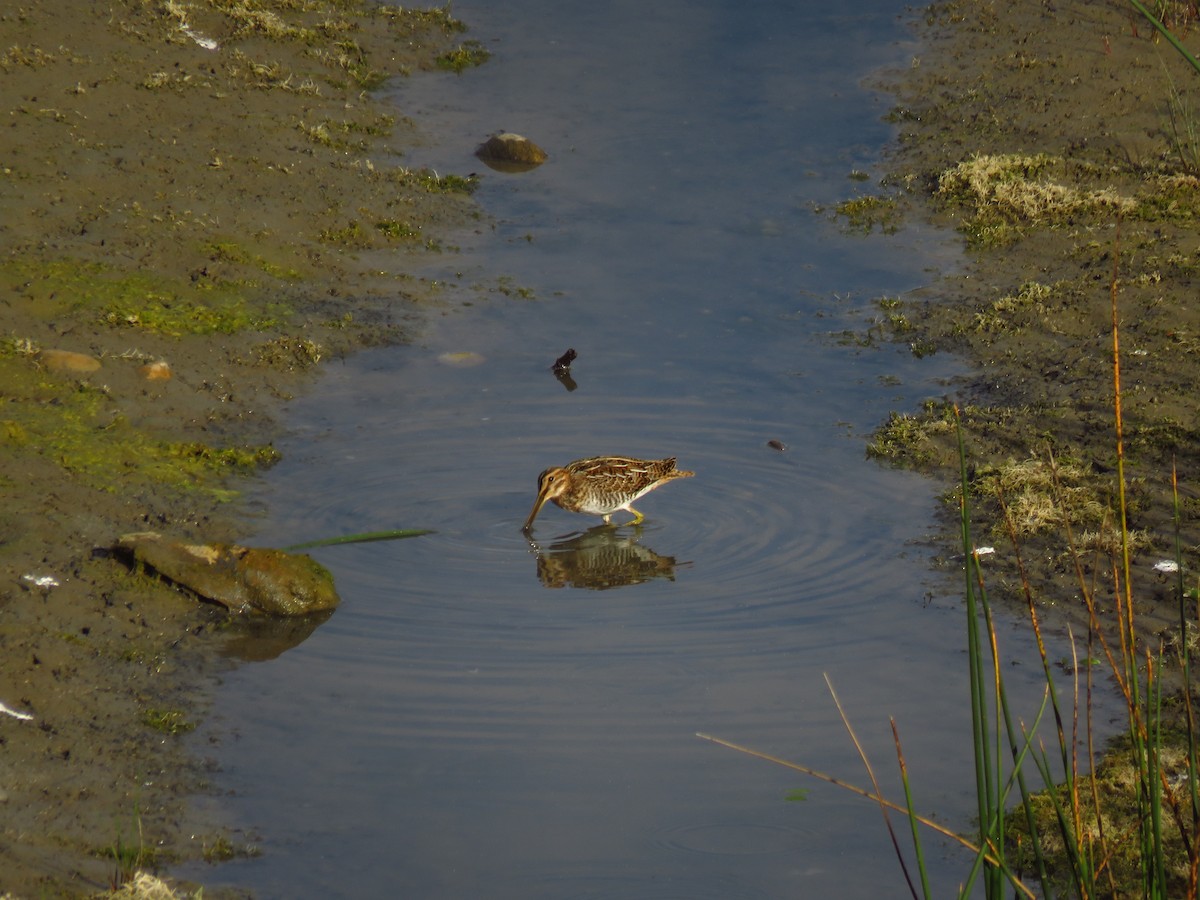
point(485, 716)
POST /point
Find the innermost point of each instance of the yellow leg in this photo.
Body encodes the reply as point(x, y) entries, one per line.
point(637, 516)
point(608, 519)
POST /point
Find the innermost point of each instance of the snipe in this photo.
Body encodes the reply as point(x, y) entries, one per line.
point(600, 485)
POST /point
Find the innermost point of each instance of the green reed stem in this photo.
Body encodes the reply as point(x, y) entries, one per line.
point(913, 820)
point(1153, 858)
point(1021, 748)
point(1051, 698)
point(1185, 657)
point(1125, 584)
point(1143, 724)
point(985, 772)
point(1167, 33)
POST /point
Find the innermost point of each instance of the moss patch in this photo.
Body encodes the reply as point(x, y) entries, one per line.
point(466, 55)
point(168, 721)
point(869, 212)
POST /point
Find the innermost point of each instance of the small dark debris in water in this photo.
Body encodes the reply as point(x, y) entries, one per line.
point(777, 445)
point(562, 370)
point(563, 364)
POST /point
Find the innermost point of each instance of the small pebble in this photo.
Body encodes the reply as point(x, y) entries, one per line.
point(155, 371)
point(45, 582)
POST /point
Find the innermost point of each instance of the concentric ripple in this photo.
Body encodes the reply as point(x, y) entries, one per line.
point(746, 572)
point(760, 539)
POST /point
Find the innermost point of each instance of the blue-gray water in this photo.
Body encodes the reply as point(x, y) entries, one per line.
point(476, 722)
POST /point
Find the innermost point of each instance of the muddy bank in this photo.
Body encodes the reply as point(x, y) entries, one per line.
point(1053, 137)
point(202, 199)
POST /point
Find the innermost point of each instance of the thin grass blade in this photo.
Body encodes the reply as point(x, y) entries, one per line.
point(364, 538)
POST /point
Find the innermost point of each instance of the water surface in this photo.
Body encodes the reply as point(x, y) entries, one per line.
point(489, 717)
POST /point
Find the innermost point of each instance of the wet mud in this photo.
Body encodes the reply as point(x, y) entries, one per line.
point(1053, 138)
point(202, 202)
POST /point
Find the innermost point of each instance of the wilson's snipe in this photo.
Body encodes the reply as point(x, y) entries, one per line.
point(601, 485)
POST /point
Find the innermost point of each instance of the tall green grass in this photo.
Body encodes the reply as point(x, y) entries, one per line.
point(1141, 839)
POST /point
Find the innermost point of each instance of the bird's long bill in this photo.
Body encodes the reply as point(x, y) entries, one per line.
point(542, 497)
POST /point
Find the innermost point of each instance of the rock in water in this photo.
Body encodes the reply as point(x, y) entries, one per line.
point(242, 579)
point(510, 152)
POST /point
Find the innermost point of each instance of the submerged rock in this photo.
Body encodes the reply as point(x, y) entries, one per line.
point(242, 579)
point(508, 152)
point(68, 361)
point(463, 359)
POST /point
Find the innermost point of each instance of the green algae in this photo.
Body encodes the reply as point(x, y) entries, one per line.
point(397, 230)
point(106, 295)
point(329, 32)
point(465, 56)
point(168, 721)
point(433, 183)
point(289, 353)
point(233, 252)
point(866, 213)
point(79, 427)
point(170, 314)
point(346, 134)
point(407, 21)
point(352, 234)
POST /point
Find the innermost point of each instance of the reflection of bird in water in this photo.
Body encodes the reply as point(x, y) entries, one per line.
point(601, 485)
point(599, 559)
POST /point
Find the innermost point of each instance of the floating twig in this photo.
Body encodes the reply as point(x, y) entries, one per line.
point(562, 365)
point(562, 369)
